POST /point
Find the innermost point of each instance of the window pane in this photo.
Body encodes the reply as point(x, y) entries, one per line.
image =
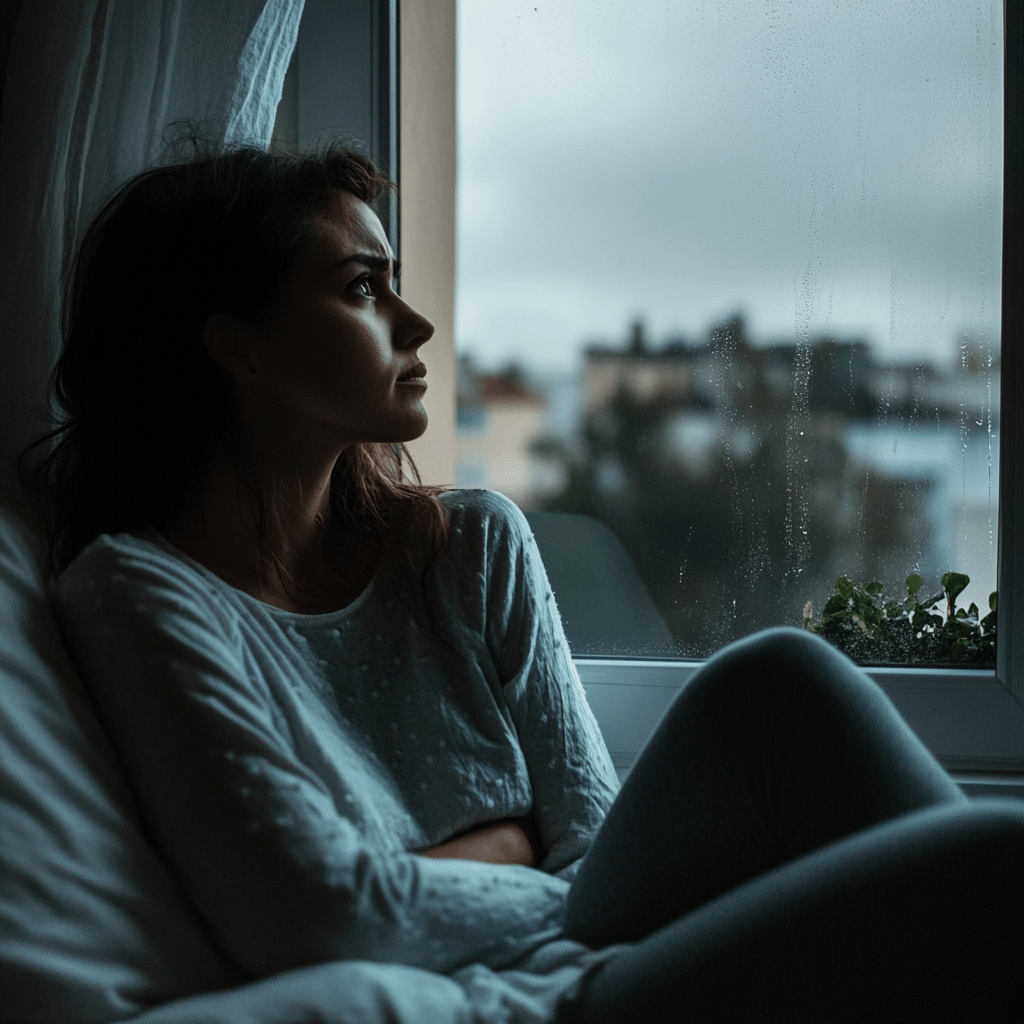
point(729, 285)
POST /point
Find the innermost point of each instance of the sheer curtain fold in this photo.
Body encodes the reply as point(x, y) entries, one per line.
point(90, 91)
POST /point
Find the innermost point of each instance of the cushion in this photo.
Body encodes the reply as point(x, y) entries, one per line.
point(340, 992)
point(94, 928)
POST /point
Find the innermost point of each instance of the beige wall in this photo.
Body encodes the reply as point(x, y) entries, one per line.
point(427, 229)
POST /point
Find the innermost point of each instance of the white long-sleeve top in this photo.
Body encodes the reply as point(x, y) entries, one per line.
point(289, 766)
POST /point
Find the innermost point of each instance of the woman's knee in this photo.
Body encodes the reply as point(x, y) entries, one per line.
point(993, 826)
point(753, 701)
point(787, 693)
point(779, 667)
point(958, 865)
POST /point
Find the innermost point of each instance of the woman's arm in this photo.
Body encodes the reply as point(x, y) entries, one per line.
point(571, 774)
point(509, 841)
point(282, 874)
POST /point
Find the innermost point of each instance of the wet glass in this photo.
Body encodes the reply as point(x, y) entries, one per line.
point(728, 303)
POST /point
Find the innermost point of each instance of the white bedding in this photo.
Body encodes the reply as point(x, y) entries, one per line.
point(92, 926)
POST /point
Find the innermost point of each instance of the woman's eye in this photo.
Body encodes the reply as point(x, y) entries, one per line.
point(363, 285)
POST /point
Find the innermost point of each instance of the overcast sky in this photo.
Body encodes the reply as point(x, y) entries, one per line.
point(818, 166)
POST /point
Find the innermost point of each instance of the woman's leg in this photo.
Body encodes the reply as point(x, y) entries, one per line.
point(917, 919)
point(778, 746)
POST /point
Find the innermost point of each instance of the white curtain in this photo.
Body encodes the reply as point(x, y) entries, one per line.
point(91, 87)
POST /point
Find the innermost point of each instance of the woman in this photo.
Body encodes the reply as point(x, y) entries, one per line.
point(346, 703)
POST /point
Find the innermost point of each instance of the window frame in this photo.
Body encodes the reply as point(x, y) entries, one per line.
point(972, 720)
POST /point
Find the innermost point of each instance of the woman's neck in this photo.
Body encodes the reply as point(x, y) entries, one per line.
point(292, 560)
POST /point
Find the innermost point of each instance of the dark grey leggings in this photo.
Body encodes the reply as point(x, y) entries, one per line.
point(786, 849)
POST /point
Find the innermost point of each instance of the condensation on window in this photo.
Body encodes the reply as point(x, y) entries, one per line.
point(728, 287)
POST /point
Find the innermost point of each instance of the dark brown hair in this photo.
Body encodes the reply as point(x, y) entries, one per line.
point(143, 406)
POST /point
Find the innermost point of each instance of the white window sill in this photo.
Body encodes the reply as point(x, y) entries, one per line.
point(968, 719)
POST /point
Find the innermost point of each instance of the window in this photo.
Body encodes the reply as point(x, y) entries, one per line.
point(876, 414)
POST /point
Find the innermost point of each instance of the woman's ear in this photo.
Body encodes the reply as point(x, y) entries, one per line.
point(233, 346)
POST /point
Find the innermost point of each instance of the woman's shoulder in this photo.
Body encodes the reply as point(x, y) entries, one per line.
point(127, 562)
point(490, 539)
point(480, 506)
point(484, 522)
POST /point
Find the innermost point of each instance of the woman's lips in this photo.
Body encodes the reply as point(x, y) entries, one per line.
point(414, 376)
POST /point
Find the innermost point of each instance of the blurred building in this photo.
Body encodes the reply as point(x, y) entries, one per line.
point(728, 372)
point(930, 431)
point(645, 373)
point(500, 416)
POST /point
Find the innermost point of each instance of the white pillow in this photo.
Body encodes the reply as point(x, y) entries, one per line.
point(93, 927)
point(341, 992)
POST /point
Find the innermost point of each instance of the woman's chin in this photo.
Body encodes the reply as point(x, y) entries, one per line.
point(424, 421)
point(419, 432)
point(414, 429)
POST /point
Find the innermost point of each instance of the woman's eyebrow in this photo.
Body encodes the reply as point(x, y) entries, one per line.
point(373, 261)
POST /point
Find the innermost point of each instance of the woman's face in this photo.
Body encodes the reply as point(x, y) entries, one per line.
point(341, 358)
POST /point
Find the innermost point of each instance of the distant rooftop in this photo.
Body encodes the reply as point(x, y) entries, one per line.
point(477, 387)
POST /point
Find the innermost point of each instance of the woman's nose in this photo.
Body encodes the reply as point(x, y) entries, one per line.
point(416, 330)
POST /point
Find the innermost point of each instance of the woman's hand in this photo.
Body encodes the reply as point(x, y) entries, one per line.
point(508, 841)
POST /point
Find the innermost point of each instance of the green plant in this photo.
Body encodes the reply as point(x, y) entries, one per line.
point(868, 627)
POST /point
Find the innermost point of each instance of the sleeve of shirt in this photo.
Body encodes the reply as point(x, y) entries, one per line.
point(256, 840)
point(571, 773)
